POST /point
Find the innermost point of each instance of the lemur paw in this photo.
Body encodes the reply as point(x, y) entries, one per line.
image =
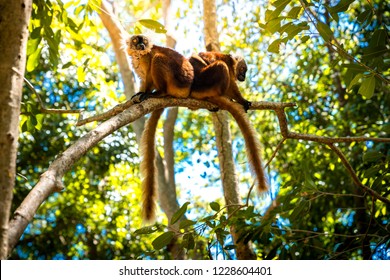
point(141, 96)
point(137, 98)
point(247, 105)
point(215, 109)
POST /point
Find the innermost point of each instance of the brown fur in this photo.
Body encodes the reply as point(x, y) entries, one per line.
point(215, 81)
point(214, 70)
point(148, 166)
point(160, 69)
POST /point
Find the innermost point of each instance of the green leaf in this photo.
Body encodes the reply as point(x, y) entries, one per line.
point(67, 65)
point(291, 29)
point(294, 12)
point(31, 123)
point(146, 230)
point(372, 156)
point(304, 25)
point(305, 38)
point(274, 47)
point(179, 213)
point(80, 74)
point(186, 223)
point(36, 33)
point(23, 122)
point(40, 118)
point(325, 31)
point(32, 45)
point(72, 25)
point(372, 171)
point(33, 60)
point(188, 241)
point(365, 18)
point(342, 6)
point(215, 206)
point(280, 3)
point(367, 87)
point(374, 52)
point(335, 16)
point(163, 240)
point(379, 38)
point(268, 15)
point(354, 81)
point(354, 67)
point(273, 25)
point(386, 128)
point(78, 10)
point(153, 25)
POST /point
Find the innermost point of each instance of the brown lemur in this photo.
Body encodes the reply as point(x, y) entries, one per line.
point(215, 81)
point(162, 71)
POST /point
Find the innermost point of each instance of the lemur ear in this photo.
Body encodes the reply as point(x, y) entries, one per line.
point(237, 56)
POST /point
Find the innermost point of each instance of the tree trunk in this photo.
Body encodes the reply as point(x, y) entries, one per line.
point(222, 131)
point(14, 18)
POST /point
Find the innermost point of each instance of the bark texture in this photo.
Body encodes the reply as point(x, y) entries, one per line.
point(14, 18)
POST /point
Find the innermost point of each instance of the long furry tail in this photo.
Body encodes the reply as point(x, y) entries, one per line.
point(148, 166)
point(251, 141)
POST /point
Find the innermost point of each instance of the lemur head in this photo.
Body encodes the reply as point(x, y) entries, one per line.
point(138, 44)
point(240, 67)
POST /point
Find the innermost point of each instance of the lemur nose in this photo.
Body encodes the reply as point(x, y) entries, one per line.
point(140, 47)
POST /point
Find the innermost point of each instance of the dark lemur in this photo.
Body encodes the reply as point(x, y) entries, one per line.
point(215, 81)
point(162, 71)
point(215, 75)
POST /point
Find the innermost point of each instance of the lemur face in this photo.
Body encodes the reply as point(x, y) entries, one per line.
point(139, 43)
point(241, 69)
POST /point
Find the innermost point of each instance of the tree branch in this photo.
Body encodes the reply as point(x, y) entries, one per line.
point(123, 114)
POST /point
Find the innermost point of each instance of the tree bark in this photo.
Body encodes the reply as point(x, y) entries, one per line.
point(223, 136)
point(14, 18)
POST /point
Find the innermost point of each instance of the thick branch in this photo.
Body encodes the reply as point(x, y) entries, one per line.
point(175, 102)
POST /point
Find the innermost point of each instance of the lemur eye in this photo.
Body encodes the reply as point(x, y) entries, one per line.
point(145, 41)
point(135, 40)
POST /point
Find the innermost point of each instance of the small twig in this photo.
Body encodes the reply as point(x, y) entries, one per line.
point(333, 140)
point(340, 194)
point(355, 177)
point(369, 224)
point(43, 109)
point(278, 147)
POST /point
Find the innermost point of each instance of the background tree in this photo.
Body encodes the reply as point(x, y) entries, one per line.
point(330, 189)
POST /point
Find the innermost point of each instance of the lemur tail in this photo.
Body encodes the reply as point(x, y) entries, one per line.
point(148, 166)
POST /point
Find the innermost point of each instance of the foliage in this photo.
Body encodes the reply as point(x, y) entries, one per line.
point(331, 57)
